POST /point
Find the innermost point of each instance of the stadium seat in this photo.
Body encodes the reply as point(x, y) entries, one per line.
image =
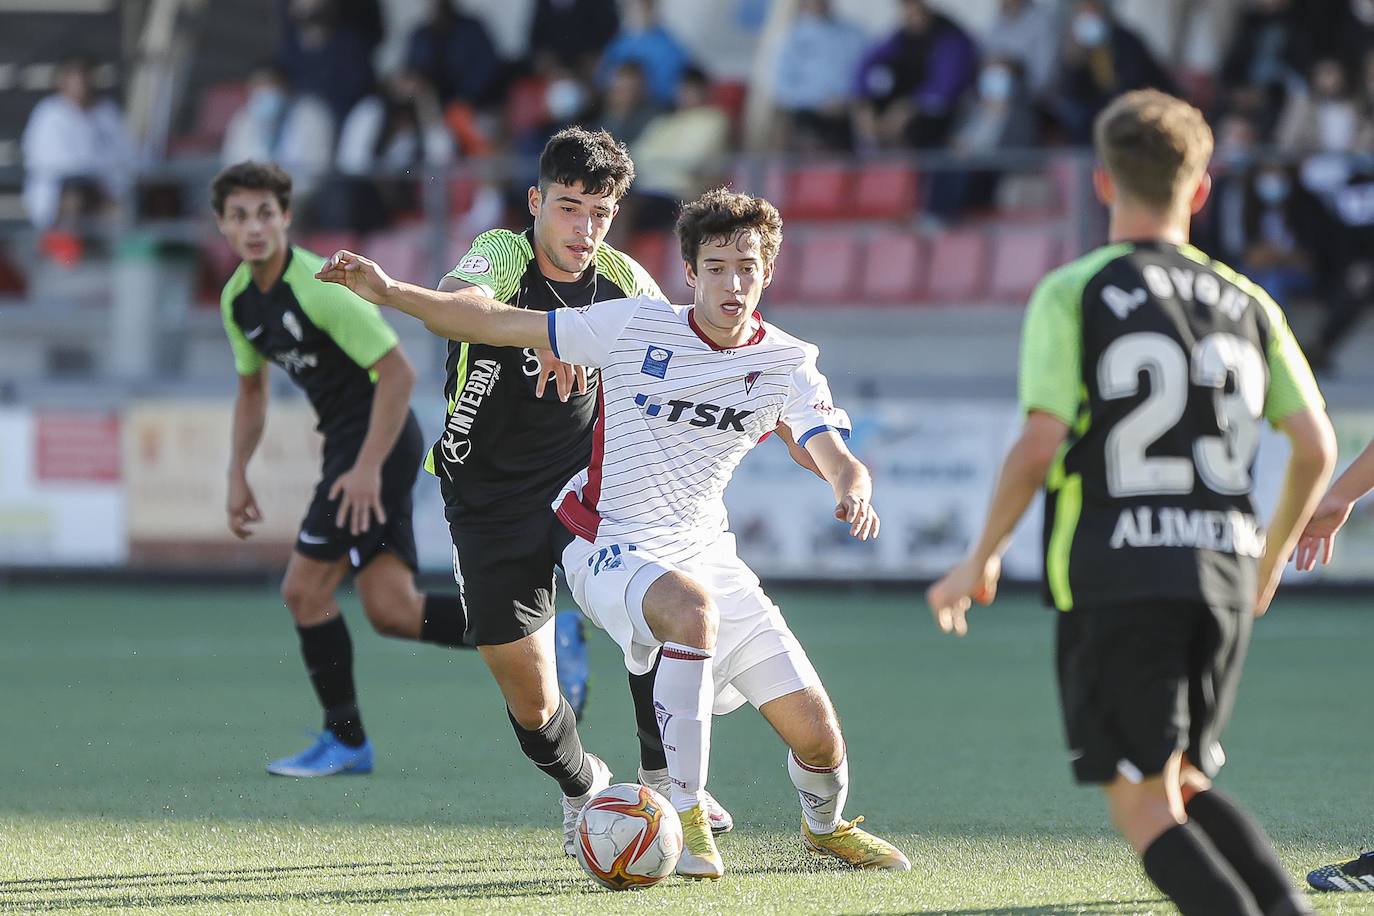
point(818, 192)
point(958, 262)
point(326, 243)
point(217, 108)
point(893, 268)
point(782, 290)
point(1020, 258)
point(826, 269)
point(650, 249)
point(885, 190)
point(403, 253)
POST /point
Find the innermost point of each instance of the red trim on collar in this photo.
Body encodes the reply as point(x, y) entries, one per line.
point(756, 337)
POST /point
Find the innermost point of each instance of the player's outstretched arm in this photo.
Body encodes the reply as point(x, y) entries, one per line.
point(464, 314)
point(852, 483)
point(1309, 468)
point(799, 453)
point(250, 418)
point(1318, 539)
point(1023, 473)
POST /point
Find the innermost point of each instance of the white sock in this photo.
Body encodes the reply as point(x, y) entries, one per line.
point(822, 792)
point(683, 695)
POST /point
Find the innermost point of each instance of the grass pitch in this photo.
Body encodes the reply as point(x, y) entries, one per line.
point(136, 723)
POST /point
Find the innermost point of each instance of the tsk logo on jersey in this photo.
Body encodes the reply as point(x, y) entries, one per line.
point(656, 362)
point(456, 444)
point(703, 415)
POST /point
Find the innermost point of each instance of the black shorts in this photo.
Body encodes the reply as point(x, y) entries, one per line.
point(321, 539)
point(504, 569)
point(1141, 681)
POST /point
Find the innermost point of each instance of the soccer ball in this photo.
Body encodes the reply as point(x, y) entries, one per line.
point(628, 836)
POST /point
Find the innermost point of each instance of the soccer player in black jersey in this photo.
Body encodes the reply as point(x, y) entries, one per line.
point(508, 446)
point(1146, 369)
point(341, 352)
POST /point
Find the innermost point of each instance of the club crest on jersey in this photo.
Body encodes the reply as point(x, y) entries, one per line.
point(656, 362)
point(475, 264)
point(292, 325)
point(749, 381)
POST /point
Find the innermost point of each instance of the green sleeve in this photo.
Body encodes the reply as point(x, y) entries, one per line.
point(496, 260)
point(627, 273)
point(1052, 350)
point(247, 359)
point(1292, 388)
point(353, 323)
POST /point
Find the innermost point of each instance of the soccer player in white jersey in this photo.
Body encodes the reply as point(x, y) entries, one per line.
point(686, 392)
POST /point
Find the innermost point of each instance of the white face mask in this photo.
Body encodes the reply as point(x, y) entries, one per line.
point(996, 83)
point(267, 103)
point(1089, 30)
point(564, 98)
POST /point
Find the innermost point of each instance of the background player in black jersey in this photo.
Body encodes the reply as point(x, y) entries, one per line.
point(1316, 545)
point(508, 446)
point(344, 355)
point(1146, 369)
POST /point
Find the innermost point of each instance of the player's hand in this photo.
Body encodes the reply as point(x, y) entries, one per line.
point(241, 507)
point(359, 492)
point(950, 598)
point(565, 375)
point(1318, 539)
point(359, 274)
point(862, 517)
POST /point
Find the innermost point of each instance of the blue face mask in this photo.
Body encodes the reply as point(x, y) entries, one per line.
point(996, 84)
point(1090, 30)
point(1272, 188)
point(266, 104)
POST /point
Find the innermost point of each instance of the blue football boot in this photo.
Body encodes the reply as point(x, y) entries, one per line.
point(326, 757)
point(570, 650)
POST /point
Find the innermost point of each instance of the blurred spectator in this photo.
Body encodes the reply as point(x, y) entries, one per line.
point(1001, 118)
point(910, 84)
point(455, 53)
point(1027, 32)
point(626, 107)
point(814, 77)
point(572, 33)
point(325, 56)
point(78, 156)
point(1276, 219)
point(673, 155)
point(1344, 29)
point(646, 42)
point(1268, 52)
point(1100, 60)
point(1327, 118)
point(387, 135)
point(276, 125)
point(557, 98)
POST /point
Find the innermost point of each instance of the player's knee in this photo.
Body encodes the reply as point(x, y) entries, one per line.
point(822, 747)
point(533, 713)
point(677, 610)
point(388, 619)
point(305, 603)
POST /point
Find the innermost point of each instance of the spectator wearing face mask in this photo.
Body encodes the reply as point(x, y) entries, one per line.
point(1278, 219)
point(295, 131)
point(813, 78)
point(645, 41)
point(911, 83)
point(327, 51)
point(1000, 118)
point(1025, 31)
point(456, 55)
point(1100, 59)
point(626, 106)
point(1327, 118)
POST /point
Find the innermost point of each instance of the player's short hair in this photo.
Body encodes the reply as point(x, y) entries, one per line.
point(591, 158)
point(251, 176)
point(1153, 145)
point(720, 215)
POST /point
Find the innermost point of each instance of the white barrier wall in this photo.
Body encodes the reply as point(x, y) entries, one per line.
point(145, 488)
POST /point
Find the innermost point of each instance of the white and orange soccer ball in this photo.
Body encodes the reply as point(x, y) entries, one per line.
point(628, 836)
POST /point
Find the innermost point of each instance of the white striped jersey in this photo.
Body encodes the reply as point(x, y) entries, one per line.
point(677, 414)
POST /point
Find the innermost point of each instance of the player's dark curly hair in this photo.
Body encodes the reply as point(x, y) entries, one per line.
point(251, 176)
point(720, 215)
point(593, 159)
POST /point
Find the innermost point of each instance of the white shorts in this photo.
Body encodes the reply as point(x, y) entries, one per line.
point(757, 659)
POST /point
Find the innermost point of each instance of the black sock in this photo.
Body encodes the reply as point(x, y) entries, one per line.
point(557, 750)
point(328, 654)
point(651, 756)
point(1185, 865)
point(444, 621)
point(1243, 843)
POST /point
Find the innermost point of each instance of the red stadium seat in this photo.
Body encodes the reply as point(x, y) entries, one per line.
point(958, 269)
point(893, 268)
point(326, 243)
point(404, 253)
point(885, 190)
point(826, 270)
point(650, 249)
point(217, 107)
point(1020, 258)
point(818, 192)
point(783, 288)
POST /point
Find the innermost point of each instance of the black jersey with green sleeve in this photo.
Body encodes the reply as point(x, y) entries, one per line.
point(324, 336)
point(1164, 363)
point(504, 452)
